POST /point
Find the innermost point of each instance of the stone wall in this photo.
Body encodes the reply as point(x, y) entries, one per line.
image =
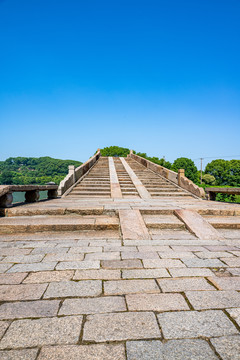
point(75, 174)
point(178, 178)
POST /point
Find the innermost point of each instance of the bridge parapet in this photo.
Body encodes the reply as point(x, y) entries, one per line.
point(75, 174)
point(178, 178)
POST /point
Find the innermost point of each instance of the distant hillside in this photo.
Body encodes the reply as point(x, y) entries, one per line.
point(28, 170)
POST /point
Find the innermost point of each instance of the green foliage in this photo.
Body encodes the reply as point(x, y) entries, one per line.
point(156, 160)
point(209, 179)
point(226, 172)
point(27, 170)
point(115, 151)
point(191, 171)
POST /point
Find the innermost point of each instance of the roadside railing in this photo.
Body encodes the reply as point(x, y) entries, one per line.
point(75, 174)
point(213, 191)
point(178, 178)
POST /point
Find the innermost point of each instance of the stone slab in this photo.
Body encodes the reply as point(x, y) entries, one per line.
point(3, 327)
point(188, 349)
point(204, 263)
point(162, 263)
point(156, 302)
point(49, 276)
point(186, 272)
point(144, 350)
point(85, 264)
point(229, 283)
point(213, 299)
point(144, 273)
point(22, 292)
point(12, 279)
point(29, 309)
point(193, 324)
point(39, 332)
point(122, 264)
point(184, 284)
point(132, 225)
point(25, 354)
point(32, 267)
point(235, 314)
point(120, 326)
point(105, 304)
point(101, 274)
point(114, 183)
point(120, 287)
point(72, 288)
point(227, 347)
point(86, 352)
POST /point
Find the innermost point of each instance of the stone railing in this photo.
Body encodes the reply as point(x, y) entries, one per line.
point(31, 193)
point(75, 174)
point(213, 191)
point(178, 178)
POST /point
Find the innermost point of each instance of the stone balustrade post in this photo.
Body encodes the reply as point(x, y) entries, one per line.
point(52, 194)
point(181, 173)
point(131, 152)
point(71, 171)
point(6, 200)
point(31, 196)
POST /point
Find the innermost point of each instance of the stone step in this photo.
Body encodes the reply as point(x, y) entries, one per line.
point(20, 224)
point(80, 189)
point(163, 222)
point(223, 222)
point(171, 194)
point(87, 193)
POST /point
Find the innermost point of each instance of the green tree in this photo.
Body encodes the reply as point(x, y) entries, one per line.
point(6, 177)
point(226, 172)
point(208, 179)
point(115, 151)
point(188, 165)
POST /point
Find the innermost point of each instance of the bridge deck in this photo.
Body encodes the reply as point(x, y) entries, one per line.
point(101, 277)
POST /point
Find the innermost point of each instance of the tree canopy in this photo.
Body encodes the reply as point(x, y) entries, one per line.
point(191, 171)
point(115, 151)
point(226, 172)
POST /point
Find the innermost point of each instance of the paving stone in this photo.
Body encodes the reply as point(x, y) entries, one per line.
point(120, 326)
point(221, 248)
point(144, 273)
point(235, 314)
point(38, 332)
point(32, 267)
point(21, 292)
point(190, 272)
point(122, 264)
point(179, 285)
point(156, 302)
point(86, 352)
point(163, 263)
point(101, 274)
point(185, 324)
point(203, 263)
point(63, 257)
point(120, 287)
point(154, 248)
point(16, 278)
point(84, 249)
point(187, 248)
point(4, 267)
point(93, 305)
point(110, 248)
point(228, 347)
point(234, 271)
point(3, 327)
point(144, 350)
point(227, 283)
point(188, 349)
point(73, 288)
point(50, 250)
point(139, 255)
point(176, 255)
point(25, 354)
point(89, 264)
point(232, 262)
point(213, 254)
point(14, 251)
point(103, 256)
point(213, 299)
point(29, 309)
point(49, 276)
point(23, 259)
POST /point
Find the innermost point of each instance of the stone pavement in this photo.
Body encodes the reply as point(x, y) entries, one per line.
point(120, 278)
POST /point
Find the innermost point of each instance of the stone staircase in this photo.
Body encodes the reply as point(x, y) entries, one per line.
point(95, 184)
point(156, 184)
point(127, 187)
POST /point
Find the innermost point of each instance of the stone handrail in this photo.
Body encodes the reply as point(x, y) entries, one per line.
point(213, 191)
point(75, 174)
point(178, 178)
point(31, 193)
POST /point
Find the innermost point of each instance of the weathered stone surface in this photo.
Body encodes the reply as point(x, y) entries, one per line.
point(177, 325)
point(4, 267)
point(228, 347)
point(86, 352)
point(63, 257)
point(47, 331)
point(213, 254)
point(178, 285)
point(163, 263)
point(120, 287)
point(120, 326)
point(144, 350)
point(139, 255)
point(72, 288)
point(122, 264)
point(133, 225)
point(88, 264)
point(21, 292)
point(232, 262)
point(11, 279)
point(213, 299)
point(23, 259)
point(3, 327)
point(176, 255)
point(101, 274)
point(235, 314)
point(103, 256)
point(29, 309)
point(156, 302)
point(186, 272)
point(144, 273)
point(25, 354)
point(92, 305)
point(32, 267)
point(203, 263)
point(226, 283)
point(49, 276)
point(188, 349)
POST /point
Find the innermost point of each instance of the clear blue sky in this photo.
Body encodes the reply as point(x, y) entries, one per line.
point(161, 77)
